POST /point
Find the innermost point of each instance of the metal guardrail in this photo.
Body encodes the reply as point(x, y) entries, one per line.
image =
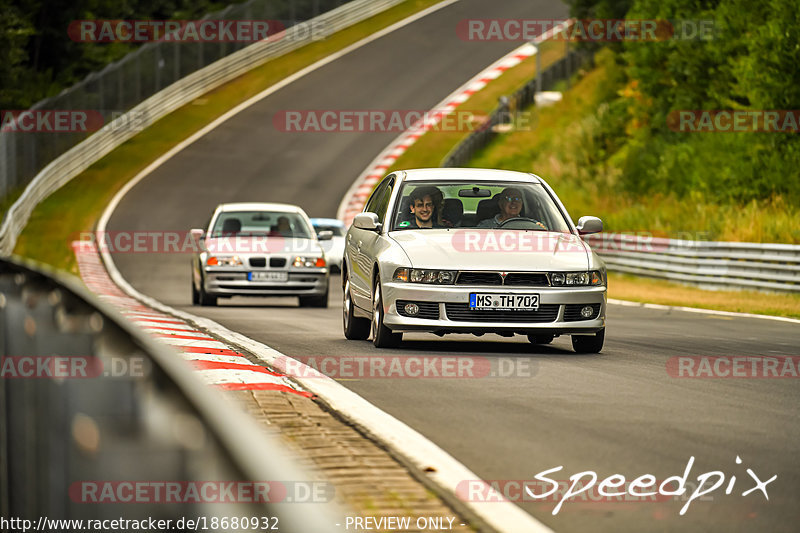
point(157, 424)
point(65, 167)
point(710, 264)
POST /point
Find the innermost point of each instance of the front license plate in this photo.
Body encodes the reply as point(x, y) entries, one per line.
point(267, 276)
point(506, 302)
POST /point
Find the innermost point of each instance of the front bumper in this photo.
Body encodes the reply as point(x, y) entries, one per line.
point(556, 316)
point(229, 282)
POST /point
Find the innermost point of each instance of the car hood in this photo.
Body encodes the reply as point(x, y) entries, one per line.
point(492, 249)
point(261, 244)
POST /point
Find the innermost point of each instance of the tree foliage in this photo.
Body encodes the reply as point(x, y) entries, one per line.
point(750, 63)
point(37, 57)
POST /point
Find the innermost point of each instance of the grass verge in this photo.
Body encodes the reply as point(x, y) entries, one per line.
point(78, 205)
point(636, 289)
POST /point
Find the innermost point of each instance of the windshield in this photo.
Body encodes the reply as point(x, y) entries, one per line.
point(245, 223)
point(338, 231)
point(493, 205)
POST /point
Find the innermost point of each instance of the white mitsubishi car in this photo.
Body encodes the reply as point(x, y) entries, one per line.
point(471, 251)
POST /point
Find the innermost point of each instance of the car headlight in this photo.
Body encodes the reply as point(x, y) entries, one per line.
point(307, 262)
point(419, 275)
point(591, 278)
point(224, 260)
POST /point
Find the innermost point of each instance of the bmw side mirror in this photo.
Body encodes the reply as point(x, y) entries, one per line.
point(367, 221)
point(587, 225)
point(325, 235)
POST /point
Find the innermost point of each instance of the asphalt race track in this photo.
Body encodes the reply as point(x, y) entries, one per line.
point(619, 412)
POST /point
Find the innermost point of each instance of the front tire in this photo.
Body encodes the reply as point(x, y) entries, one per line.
point(204, 298)
point(589, 344)
point(195, 294)
point(382, 337)
point(355, 328)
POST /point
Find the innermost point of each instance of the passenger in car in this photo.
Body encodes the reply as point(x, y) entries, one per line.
point(425, 207)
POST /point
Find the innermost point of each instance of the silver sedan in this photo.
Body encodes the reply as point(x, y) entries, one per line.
point(259, 249)
point(471, 251)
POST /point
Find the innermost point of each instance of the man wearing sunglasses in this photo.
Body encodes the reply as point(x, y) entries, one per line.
point(510, 204)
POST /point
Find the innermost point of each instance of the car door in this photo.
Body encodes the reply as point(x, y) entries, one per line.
point(362, 245)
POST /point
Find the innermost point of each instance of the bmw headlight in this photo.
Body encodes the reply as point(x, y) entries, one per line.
point(307, 262)
point(591, 278)
point(421, 275)
point(224, 260)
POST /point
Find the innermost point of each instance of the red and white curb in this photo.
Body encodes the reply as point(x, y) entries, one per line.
point(217, 363)
point(353, 202)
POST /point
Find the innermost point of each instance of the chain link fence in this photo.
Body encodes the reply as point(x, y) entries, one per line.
point(122, 85)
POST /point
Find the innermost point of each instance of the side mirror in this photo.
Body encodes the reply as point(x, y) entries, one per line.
point(367, 221)
point(325, 235)
point(197, 234)
point(587, 225)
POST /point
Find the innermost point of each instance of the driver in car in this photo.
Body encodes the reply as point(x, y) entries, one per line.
point(510, 203)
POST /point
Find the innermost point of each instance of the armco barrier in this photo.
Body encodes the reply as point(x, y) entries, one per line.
point(710, 264)
point(79, 158)
point(151, 421)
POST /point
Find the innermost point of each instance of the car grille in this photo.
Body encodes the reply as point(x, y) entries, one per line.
point(479, 278)
point(462, 313)
point(277, 262)
point(258, 262)
point(428, 310)
point(516, 279)
point(572, 312)
point(526, 279)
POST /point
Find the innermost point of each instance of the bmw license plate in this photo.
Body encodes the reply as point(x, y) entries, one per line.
point(479, 301)
point(267, 276)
